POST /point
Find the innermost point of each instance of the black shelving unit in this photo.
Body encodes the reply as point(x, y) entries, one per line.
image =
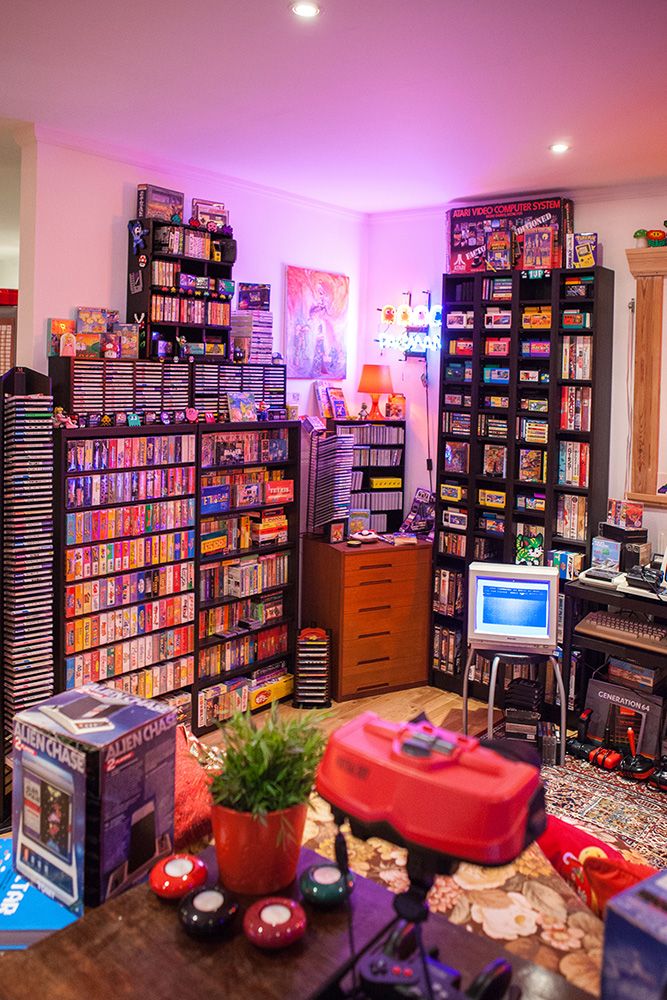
point(464, 392)
point(366, 436)
point(183, 660)
point(26, 555)
point(153, 274)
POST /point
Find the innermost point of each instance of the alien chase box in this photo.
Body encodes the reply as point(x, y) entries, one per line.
point(93, 792)
point(473, 233)
point(634, 963)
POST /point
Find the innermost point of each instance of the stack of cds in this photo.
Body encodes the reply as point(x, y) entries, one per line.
point(312, 680)
point(329, 479)
point(27, 557)
point(256, 326)
point(214, 379)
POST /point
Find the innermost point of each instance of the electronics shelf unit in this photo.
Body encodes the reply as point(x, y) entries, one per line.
point(82, 385)
point(135, 545)
point(26, 553)
point(177, 289)
point(513, 397)
point(248, 566)
point(379, 452)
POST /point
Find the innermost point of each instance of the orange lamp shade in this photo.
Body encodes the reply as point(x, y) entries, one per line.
point(375, 379)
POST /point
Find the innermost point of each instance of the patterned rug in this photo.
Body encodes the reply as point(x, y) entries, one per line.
point(636, 813)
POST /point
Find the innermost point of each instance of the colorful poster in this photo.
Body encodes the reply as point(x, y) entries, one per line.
point(316, 304)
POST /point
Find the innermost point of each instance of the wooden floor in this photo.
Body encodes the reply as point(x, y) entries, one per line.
point(442, 707)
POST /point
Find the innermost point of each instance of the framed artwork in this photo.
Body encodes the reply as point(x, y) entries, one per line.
point(316, 305)
point(210, 211)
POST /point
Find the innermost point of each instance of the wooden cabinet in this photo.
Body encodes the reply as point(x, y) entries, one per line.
point(376, 601)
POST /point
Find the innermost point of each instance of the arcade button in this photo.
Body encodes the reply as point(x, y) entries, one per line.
point(325, 885)
point(274, 922)
point(208, 913)
point(175, 876)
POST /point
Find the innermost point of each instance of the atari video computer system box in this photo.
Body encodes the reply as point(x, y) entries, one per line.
point(93, 792)
point(634, 965)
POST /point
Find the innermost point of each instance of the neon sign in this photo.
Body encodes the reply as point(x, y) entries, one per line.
point(411, 329)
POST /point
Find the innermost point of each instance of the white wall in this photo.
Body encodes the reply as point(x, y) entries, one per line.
point(406, 251)
point(75, 211)
point(10, 173)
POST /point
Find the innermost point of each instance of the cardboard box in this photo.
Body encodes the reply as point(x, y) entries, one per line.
point(606, 699)
point(468, 247)
point(634, 963)
point(271, 692)
point(93, 802)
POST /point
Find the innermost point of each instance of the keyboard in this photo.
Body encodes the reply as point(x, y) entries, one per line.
point(624, 629)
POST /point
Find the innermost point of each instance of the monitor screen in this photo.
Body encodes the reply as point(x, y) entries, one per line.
point(512, 608)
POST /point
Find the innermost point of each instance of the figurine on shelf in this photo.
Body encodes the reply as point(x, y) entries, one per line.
point(363, 412)
point(137, 232)
point(182, 346)
point(262, 410)
point(277, 359)
point(177, 219)
point(639, 237)
point(194, 222)
point(656, 237)
point(61, 419)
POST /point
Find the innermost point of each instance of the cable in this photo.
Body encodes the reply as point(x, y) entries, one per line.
point(425, 968)
point(429, 455)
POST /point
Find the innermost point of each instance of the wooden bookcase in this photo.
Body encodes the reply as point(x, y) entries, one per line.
point(153, 274)
point(378, 438)
point(143, 543)
point(472, 538)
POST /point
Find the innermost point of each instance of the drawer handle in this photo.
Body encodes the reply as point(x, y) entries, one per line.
point(377, 566)
point(378, 659)
point(371, 583)
point(373, 687)
point(372, 635)
point(378, 607)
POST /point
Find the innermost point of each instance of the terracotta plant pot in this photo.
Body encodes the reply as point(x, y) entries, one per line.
point(258, 858)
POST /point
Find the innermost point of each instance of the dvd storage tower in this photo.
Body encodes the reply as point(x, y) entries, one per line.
point(523, 446)
point(26, 549)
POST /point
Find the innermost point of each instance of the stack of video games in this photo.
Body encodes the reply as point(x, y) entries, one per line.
point(27, 540)
point(312, 685)
point(329, 479)
point(214, 379)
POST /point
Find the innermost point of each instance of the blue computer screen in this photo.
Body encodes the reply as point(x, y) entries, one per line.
point(512, 607)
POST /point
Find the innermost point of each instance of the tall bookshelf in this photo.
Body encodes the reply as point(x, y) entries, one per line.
point(143, 518)
point(378, 454)
point(179, 281)
point(486, 397)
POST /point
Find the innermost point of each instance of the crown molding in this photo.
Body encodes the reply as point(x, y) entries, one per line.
point(136, 158)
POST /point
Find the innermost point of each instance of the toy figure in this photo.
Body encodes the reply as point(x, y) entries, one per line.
point(262, 410)
point(639, 237)
point(363, 412)
point(61, 419)
point(176, 219)
point(137, 232)
point(656, 237)
point(195, 223)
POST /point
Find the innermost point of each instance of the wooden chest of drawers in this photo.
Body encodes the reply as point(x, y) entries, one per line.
point(376, 601)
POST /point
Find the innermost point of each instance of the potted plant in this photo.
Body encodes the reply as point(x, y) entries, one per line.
point(260, 798)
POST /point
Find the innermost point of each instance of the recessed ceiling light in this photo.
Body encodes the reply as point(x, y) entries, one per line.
point(559, 147)
point(305, 8)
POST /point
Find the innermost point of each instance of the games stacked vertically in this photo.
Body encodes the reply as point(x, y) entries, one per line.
point(329, 479)
point(312, 675)
point(27, 543)
point(254, 327)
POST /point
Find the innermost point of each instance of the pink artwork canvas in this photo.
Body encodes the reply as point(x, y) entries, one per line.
point(316, 304)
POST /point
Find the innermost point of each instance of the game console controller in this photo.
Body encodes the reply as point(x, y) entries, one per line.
point(659, 776)
point(634, 766)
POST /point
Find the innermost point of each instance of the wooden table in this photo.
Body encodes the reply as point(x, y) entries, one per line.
point(134, 947)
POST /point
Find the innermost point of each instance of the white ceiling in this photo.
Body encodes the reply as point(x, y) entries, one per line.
point(377, 105)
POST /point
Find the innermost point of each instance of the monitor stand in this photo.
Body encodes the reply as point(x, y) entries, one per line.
point(518, 654)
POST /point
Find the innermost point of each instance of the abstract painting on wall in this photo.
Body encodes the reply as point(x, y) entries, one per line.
point(316, 304)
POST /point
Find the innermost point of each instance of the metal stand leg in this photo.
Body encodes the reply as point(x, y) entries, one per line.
point(471, 653)
point(563, 706)
point(492, 697)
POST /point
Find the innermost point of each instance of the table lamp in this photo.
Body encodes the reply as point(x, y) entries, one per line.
point(375, 379)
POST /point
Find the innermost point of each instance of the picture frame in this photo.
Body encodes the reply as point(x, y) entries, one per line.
point(210, 211)
point(336, 531)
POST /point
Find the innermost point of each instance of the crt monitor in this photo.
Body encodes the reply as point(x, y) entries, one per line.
point(512, 607)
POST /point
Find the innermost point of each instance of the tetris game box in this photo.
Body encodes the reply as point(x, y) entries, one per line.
point(93, 792)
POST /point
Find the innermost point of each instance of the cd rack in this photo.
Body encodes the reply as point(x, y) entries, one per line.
point(329, 479)
point(26, 550)
point(312, 672)
point(110, 386)
point(378, 470)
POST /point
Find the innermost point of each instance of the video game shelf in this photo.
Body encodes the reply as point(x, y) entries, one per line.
point(191, 598)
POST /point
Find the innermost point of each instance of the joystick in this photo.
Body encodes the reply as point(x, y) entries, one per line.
point(579, 746)
point(659, 776)
point(177, 875)
point(634, 766)
point(208, 913)
point(274, 923)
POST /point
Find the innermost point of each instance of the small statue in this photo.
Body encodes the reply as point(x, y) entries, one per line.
point(363, 412)
point(61, 419)
point(656, 237)
point(262, 410)
point(639, 237)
